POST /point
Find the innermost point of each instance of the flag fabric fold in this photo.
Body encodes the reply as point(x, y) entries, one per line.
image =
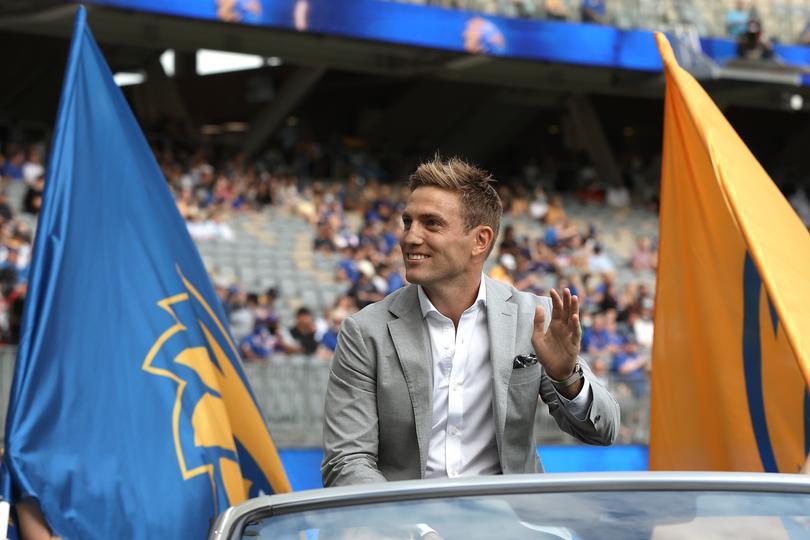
point(731, 354)
point(130, 414)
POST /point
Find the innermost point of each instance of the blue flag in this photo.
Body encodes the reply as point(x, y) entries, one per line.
point(130, 414)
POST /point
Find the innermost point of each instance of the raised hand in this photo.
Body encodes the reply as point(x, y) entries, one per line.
point(558, 347)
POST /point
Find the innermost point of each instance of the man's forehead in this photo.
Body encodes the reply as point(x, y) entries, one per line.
point(430, 200)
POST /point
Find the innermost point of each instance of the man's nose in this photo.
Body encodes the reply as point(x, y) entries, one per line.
point(411, 236)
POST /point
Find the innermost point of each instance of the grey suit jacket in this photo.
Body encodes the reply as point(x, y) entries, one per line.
point(378, 410)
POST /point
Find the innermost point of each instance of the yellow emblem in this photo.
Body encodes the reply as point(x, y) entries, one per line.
point(225, 412)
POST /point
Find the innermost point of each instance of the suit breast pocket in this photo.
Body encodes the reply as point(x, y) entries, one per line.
point(527, 375)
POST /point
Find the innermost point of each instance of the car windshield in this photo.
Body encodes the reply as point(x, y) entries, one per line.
point(625, 515)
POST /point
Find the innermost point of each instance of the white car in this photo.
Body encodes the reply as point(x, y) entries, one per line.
point(621, 506)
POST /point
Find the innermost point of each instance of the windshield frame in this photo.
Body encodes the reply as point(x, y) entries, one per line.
point(231, 522)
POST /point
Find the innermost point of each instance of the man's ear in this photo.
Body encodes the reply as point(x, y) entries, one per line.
point(484, 237)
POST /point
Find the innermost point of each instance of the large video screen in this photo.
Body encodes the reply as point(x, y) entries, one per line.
point(426, 26)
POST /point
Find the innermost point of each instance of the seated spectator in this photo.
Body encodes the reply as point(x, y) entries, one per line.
point(524, 278)
point(595, 338)
point(33, 169)
point(263, 342)
point(642, 325)
point(347, 270)
point(328, 343)
point(508, 242)
point(644, 256)
point(555, 214)
point(608, 295)
point(502, 271)
point(593, 11)
point(393, 276)
point(243, 315)
point(303, 332)
point(324, 241)
point(391, 234)
point(13, 262)
point(543, 257)
point(556, 10)
point(539, 206)
point(265, 305)
point(563, 234)
point(632, 366)
point(736, 20)
point(364, 291)
point(753, 44)
point(32, 202)
point(13, 167)
point(599, 261)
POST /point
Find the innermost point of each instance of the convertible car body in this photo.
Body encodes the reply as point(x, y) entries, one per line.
point(586, 506)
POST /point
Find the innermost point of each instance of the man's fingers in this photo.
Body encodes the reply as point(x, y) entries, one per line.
point(539, 319)
point(556, 305)
point(566, 313)
point(576, 331)
point(574, 306)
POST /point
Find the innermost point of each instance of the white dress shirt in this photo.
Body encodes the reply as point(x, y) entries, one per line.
point(462, 438)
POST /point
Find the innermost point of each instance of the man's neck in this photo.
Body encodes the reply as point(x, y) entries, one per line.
point(452, 300)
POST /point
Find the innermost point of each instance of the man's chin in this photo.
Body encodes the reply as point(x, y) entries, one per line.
point(414, 277)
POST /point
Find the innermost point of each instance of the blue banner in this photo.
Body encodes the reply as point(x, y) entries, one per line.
point(130, 415)
point(450, 29)
point(426, 26)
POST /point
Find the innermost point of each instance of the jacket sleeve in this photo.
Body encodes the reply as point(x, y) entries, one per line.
point(601, 423)
point(350, 430)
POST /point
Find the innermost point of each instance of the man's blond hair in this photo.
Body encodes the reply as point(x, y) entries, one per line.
point(480, 203)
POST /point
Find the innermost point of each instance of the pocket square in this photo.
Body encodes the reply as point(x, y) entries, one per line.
point(524, 360)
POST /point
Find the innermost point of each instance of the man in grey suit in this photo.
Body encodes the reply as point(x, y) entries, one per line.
point(442, 378)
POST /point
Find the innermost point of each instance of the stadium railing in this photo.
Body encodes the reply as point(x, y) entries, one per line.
point(290, 391)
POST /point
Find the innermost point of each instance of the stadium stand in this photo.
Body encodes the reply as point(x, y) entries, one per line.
point(332, 247)
point(785, 21)
point(292, 249)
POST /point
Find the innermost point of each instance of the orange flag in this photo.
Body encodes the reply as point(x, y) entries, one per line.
point(731, 357)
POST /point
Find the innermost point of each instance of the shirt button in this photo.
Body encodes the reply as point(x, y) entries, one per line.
point(454, 431)
point(454, 387)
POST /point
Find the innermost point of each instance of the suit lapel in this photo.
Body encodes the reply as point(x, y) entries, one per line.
point(502, 326)
point(410, 341)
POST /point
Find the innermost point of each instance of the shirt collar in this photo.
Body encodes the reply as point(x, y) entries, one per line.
point(427, 306)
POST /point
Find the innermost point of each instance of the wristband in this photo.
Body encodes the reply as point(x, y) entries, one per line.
point(576, 375)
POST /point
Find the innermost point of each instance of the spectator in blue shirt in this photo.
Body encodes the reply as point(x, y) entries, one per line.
point(736, 20)
point(631, 365)
point(594, 11)
point(13, 167)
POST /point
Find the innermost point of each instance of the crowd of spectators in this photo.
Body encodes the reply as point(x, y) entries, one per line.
point(357, 223)
point(21, 183)
point(616, 317)
point(740, 20)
